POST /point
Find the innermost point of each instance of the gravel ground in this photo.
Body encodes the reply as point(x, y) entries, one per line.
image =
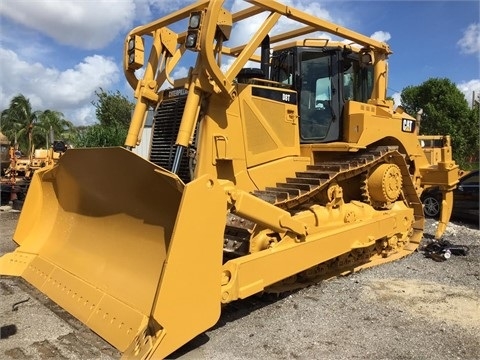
point(414, 308)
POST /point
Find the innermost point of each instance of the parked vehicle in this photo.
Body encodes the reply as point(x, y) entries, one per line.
point(262, 179)
point(465, 199)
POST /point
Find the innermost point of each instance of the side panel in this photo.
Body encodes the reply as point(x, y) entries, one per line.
point(366, 124)
point(252, 130)
point(270, 121)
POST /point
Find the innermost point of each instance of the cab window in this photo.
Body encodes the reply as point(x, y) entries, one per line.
point(316, 95)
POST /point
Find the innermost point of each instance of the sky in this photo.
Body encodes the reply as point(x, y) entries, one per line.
point(58, 53)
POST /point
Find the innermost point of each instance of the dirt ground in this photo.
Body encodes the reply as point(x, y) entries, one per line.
point(414, 308)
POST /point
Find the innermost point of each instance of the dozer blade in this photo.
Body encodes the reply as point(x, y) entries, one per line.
point(124, 246)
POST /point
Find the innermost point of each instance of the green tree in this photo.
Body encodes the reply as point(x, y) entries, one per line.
point(445, 112)
point(113, 108)
point(99, 135)
point(17, 122)
point(113, 111)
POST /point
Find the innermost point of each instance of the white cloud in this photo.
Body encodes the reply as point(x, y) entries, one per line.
point(49, 88)
point(83, 24)
point(86, 24)
point(470, 42)
point(377, 35)
point(179, 72)
point(85, 115)
point(468, 88)
point(396, 99)
point(381, 36)
point(163, 6)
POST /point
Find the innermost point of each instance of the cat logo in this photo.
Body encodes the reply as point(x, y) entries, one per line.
point(408, 125)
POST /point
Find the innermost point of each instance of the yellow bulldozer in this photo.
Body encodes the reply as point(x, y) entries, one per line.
point(273, 164)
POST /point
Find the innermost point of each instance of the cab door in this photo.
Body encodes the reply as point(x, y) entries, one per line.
point(319, 96)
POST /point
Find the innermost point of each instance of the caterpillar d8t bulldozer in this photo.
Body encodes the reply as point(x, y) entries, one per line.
point(259, 179)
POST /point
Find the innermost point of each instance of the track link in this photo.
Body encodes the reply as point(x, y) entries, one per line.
point(317, 177)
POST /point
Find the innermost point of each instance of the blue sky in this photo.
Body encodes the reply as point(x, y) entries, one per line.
point(59, 52)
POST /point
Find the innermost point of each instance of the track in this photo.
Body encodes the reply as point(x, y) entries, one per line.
point(318, 177)
point(311, 186)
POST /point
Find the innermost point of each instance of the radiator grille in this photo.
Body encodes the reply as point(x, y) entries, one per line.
point(166, 123)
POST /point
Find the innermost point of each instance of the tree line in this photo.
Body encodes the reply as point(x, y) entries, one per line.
point(445, 112)
point(31, 129)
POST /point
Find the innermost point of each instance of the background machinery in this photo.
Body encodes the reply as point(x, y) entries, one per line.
point(258, 179)
point(4, 153)
point(17, 173)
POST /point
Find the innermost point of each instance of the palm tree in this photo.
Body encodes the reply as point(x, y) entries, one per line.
point(18, 122)
point(31, 129)
point(51, 123)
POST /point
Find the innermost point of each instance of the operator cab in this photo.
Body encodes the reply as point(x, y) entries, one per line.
point(325, 79)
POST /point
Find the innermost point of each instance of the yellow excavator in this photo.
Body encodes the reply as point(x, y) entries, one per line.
point(260, 178)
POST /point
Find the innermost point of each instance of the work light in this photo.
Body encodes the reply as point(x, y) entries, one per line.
point(135, 52)
point(194, 28)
